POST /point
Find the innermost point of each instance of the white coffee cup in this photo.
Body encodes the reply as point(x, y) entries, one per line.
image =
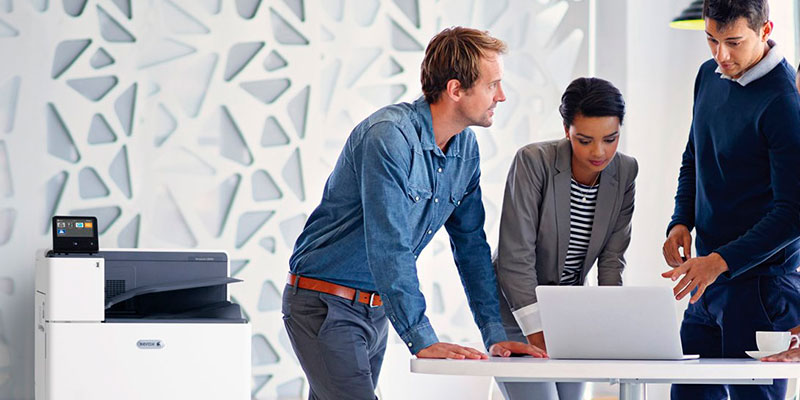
point(774, 341)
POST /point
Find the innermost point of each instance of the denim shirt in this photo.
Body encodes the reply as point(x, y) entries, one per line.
point(392, 188)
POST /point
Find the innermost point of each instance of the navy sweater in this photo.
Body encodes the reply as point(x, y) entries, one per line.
point(739, 184)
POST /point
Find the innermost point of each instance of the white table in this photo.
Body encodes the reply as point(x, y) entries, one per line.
point(631, 375)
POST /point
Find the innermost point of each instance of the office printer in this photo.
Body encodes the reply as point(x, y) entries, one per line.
point(133, 324)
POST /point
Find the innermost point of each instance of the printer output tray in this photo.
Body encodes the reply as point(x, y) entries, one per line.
point(199, 307)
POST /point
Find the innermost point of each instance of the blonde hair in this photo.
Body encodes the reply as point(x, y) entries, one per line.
point(455, 53)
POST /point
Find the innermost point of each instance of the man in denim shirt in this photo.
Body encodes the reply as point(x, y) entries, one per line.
point(404, 172)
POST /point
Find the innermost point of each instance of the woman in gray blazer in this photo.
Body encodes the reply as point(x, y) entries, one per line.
point(567, 204)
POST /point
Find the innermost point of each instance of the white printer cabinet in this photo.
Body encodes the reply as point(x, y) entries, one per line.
point(79, 356)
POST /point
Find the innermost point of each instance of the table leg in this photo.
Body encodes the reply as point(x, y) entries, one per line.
point(631, 391)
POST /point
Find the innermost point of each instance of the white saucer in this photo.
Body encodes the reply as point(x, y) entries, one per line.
point(759, 354)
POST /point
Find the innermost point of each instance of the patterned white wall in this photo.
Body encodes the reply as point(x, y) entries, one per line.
point(214, 124)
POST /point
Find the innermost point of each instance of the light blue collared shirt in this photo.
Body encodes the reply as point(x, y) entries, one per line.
point(770, 61)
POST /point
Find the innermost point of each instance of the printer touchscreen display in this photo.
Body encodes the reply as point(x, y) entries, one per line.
point(73, 234)
point(74, 227)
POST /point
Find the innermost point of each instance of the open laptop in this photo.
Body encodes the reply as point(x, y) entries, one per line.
point(610, 322)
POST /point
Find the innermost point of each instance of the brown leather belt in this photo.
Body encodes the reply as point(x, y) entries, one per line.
point(370, 299)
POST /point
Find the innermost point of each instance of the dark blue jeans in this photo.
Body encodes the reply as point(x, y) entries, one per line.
point(723, 324)
point(340, 343)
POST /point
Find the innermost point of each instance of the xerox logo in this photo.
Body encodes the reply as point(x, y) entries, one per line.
point(150, 344)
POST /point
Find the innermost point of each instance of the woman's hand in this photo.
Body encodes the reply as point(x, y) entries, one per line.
point(537, 339)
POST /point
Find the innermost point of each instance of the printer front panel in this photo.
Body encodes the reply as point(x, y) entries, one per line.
point(74, 288)
point(94, 361)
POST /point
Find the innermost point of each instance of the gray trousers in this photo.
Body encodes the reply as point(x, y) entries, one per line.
point(339, 343)
point(533, 390)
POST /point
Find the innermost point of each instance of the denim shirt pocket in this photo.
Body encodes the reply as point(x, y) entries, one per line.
point(418, 173)
point(418, 194)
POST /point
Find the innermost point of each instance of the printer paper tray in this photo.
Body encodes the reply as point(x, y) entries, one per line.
point(168, 287)
point(221, 312)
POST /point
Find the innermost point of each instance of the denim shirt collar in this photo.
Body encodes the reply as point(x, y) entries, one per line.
point(426, 137)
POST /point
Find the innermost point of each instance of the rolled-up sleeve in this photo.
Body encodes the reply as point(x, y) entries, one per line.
point(529, 319)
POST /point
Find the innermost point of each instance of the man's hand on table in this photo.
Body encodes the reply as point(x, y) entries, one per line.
point(500, 349)
point(791, 355)
point(450, 350)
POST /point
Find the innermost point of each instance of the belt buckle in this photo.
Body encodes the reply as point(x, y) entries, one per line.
point(371, 299)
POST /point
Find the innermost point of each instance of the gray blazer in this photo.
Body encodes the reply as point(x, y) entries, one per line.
point(534, 226)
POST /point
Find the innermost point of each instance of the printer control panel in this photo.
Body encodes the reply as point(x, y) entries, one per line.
point(75, 234)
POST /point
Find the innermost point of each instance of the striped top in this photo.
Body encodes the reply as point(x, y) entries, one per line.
point(582, 203)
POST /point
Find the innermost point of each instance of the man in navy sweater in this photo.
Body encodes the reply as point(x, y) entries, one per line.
point(739, 188)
